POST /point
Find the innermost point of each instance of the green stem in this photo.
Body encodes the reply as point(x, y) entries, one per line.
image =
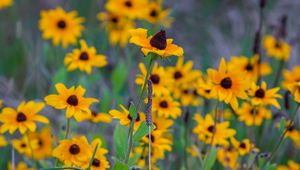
point(130, 143)
point(278, 73)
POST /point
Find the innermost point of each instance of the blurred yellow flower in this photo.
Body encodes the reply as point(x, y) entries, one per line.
point(278, 49)
point(157, 43)
point(22, 145)
point(291, 166)
point(161, 123)
point(1, 103)
point(61, 26)
point(244, 147)
point(166, 106)
point(129, 8)
point(100, 162)
point(72, 100)
point(20, 166)
point(99, 117)
point(5, 3)
point(44, 147)
point(228, 157)
point(84, 58)
point(3, 141)
point(291, 82)
point(23, 119)
point(154, 14)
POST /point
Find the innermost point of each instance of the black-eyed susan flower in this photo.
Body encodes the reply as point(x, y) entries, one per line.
point(263, 96)
point(97, 117)
point(84, 58)
point(23, 147)
point(292, 133)
point(161, 123)
point(23, 118)
point(160, 80)
point(124, 117)
point(243, 147)
point(187, 94)
point(43, 148)
point(3, 141)
point(5, 3)
point(100, 162)
point(129, 8)
point(212, 133)
point(117, 27)
point(74, 152)
point(142, 162)
point(227, 85)
point(20, 166)
point(291, 165)
point(276, 48)
point(156, 15)
point(158, 43)
point(166, 106)
point(253, 115)
point(61, 26)
point(228, 157)
point(250, 66)
point(72, 100)
point(291, 82)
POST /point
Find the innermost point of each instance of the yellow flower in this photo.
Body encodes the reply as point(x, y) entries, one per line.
point(278, 49)
point(100, 117)
point(166, 106)
point(227, 85)
point(187, 94)
point(161, 123)
point(192, 150)
point(61, 26)
point(156, 15)
point(44, 143)
point(246, 114)
point(20, 166)
point(5, 3)
point(23, 146)
point(117, 27)
point(3, 141)
point(142, 162)
point(261, 96)
point(157, 43)
point(291, 166)
point(74, 152)
point(292, 82)
point(244, 147)
point(129, 8)
point(84, 59)
point(72, 100)
point(228, 157)
point(23, 119)
point(293, 133)
point(125, 118)
point(250, 66)
point(100, 162)
point(210, 132)
point(160, 80)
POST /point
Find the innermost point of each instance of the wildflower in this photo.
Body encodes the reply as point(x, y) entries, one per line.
point(75, 151)
point(129, 8)
point(157, 43)
point(250, 66)
point(23, 146)
point(227, 85)
point(61, 26)
point(292, 82)
point(84, 59)
point(244, 147)
point(166, 106)
point(228, 157)
point(161, 123)
point(142, 161)
point(20, 166)
point(154, 14)
point(23, 119)
point(187, 94)
point(43, 148)
point(72, 100)
point(262, 96)
point(292, 133)
point(99, 117)
point(125, 118)
point(160, 80)
point(100, 162)
point(291, 166)
point(5, 4)
point(3, 141)
point(117, 27)
point(278, 49)
point(192, 150)
point(210, 132)
point(253, 115)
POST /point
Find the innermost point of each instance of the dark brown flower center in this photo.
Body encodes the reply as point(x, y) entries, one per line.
point(94, 113)
point(186, 91)
point(61, 24)
point(163, 104)
point(114, 20)
point(40, 143)
point(74, 149)
point(84, 56)
point(152, 138)
point(128, 4)
point(277, 45)
point(249, 67)
point(226, 83)
point(72, 100)
point(290, 128)
point(207, 91)
point(153, 13)
point(252, 111)
point(211, 129)
point(177, 75)
point(21, 117)
point(23, 145)
point(137, 117)
point(159, 40)
point(154, 78)
point(260, 93)
point(243, 145)
point(96, 162)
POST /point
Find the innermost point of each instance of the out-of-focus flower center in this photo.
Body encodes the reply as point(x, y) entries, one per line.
point(226, 83)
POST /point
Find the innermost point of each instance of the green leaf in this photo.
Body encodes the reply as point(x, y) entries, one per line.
point(60, 76)
point(141, 131)
point(92, 159)
point(119, 77)
point(210, 159)
point(120, 166)
point(133, 160)
point(120, 141)
point(132, 110)
point(282, 125)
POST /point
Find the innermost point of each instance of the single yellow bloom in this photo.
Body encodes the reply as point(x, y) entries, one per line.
point(61, 26)
point(44, 146)
point(157, 43)
point(228, 157)
point(72, 100)
point(84, 58)
point(244, 147)
point(278, 49)
point(291, 82)
point(166, 106)
point(100, 117)
point(130, 8)
point(23, 147)
point(5, 3)
point(23, 119)
point(20, 166)
point(100, 161)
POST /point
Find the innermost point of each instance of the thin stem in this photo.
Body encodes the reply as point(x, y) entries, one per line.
point(12, 157)
point(149, 147)
point(278, 73)
point(67, 128)
point(31, 150)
